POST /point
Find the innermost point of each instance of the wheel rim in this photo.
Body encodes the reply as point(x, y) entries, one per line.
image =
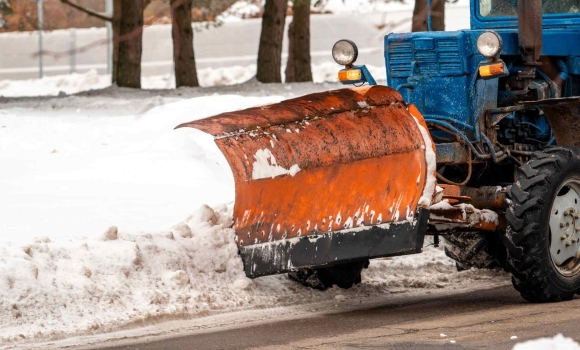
point(565, 228)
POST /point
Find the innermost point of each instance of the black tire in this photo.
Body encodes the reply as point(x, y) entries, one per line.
point(343, 275)
point(482, 250)
point(528, 237)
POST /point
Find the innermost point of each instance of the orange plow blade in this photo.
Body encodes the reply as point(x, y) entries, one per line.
point(327, 178)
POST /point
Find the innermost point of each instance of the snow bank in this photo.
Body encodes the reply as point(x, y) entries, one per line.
point(372, 6)
point(76, 172)
point(106, 282)
point(99, 283)
point(253, 8)
point(73, 167)
point(77, 82)
point(559, 342)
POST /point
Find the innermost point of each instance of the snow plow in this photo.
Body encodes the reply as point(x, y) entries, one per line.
point(475, 139)
point(297, 204)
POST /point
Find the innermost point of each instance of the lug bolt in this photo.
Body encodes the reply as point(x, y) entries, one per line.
point(576, 216)
point(561, 225)
point(563, 236)
point(567, 243)
point(565, 213)
point(571, 210)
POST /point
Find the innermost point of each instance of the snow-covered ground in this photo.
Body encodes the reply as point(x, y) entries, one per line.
point(73, 167)
point(110, 219)
point(559, 342)
point(77, 82)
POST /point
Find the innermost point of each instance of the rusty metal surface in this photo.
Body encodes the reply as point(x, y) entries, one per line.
point(343, 159)
point(530, 28)
point(464, 218)
point(450, 190)
point(565, 123)
point(487, 197)
point(562, 114)
point(295, 110)
point(452, 153)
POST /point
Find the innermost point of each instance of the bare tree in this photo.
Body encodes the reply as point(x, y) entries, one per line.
point(182, 34)
point(270, 50)
point(128, 60)
point(421, 13)
point(127, 21)
point(298, 67)
point(22, 15)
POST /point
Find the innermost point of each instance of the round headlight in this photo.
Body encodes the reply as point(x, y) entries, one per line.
point(344, 52)
point(489, 44)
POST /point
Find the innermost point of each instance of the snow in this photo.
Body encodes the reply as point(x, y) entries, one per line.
point(104, 223)
point(79, 166)
point(366, 6)
point(430, 159)
point(559, 342)
point(265, 166)
point(111, 219)
point(77, 82)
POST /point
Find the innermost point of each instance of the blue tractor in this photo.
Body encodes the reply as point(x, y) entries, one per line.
point(476, 138)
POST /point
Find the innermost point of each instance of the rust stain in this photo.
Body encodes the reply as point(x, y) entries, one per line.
point(360, 155)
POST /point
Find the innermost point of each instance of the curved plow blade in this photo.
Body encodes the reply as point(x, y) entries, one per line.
point(339, 167)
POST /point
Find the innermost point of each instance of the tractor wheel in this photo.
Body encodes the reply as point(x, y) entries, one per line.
point(481, 250)
point(343, 275)
point(543, 235)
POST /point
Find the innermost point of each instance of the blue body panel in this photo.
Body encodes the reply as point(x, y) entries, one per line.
point(438, 71)
point(549, 21)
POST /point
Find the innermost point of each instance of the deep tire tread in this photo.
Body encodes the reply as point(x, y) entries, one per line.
point(343, 275)
point(475, 249)
point(526, 237)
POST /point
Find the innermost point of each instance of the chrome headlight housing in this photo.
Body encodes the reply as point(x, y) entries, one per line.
point(344, 52)
point(489, 44)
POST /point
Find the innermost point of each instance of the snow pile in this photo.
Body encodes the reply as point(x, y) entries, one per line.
point(559, 342)
point(77, 82)
point(373, 6)
point(137, 173)
point(103, 283)
point(80, 171)
point(242, 9)
point(73, 167)
point(253, 8)
point(98, 283)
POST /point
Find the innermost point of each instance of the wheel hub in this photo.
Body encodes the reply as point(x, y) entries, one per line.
point(565, 228)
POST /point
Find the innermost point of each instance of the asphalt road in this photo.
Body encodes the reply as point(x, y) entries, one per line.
point(485, 319)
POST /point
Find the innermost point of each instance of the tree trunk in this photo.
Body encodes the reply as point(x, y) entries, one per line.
point(290, 64)
point(116, 24)
point(182, 34)
point(299, 67)
point(420, 14)
point(270, 50)
point(128, 64)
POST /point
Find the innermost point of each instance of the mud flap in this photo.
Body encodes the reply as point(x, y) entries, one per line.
point(563, 114)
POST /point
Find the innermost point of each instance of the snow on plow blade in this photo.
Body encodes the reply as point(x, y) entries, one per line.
point(327, 178)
